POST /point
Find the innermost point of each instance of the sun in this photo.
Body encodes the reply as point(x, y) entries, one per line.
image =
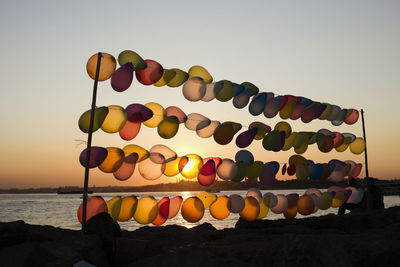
point(192, 167)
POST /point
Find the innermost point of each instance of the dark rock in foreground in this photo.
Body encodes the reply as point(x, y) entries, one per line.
point(361, 239)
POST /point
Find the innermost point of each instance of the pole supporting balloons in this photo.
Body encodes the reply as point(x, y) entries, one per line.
point(369, 196)
point(89, 143)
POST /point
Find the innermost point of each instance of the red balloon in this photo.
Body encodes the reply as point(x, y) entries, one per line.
point(151, 74)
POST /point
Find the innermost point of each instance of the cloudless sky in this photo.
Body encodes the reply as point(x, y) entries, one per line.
point(340, 52)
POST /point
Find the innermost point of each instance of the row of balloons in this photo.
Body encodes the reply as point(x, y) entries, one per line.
point(253, 206)
point(161, 160)
point(198, 85)
point(128, 123)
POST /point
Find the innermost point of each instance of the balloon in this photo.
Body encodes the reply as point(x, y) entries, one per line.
point(138, 113)
point(242, 99)
point(130, 130)
point(122, 78)
point(262, 129)
point(270, 199)
point(114, 207)
point(287, 110)
point(357, 146)
point(227, 170)
point(317, 201)
point(244, 156)
point(338, 199)
point(281, 206)
point(338, 139)
point(298, 110)
point(199, 71)
point(241, 172)
point(337, 174)
point(305, 205)
point(174, 206)
point(97, 156)
point(141, 152)
point(210, 93)
point(158, 115)
point(291, 170)
point(291, 210)
point(150, 170)
point(341, 118)
point(254, 170)
point(257, 104)
point(208, 131)
point(194, 89)
point(128, 56)
point(128, 208)
point(267, 177)
point(248, 85)
point(168, 127)
point(224, 133)
point(251, 209)
point(254, 192)
point(297, 159)
point(207, 174)
point(326, 201)
point(274, 140)
point(151, 74)
point(272, 107)
point(284, 168)
point(163, 210)
point(146, 210)
point(115, 119)
point(263, 210)
point(352, 117)
point(177, 112)
point(172, 167)
point(178, 79)
point(246, 138)
point(100, 115)
point(107, 66)
point(167, 154)
point(220, 208)
point(357, 171)
point(289, 141)
point(127, 167)
point(226, 92)
point(166, 77)
point(324, 115)
point(207, 198)
point(192, 209)
point(237, 203)
point(115, 158)
point(334, 113)
point(192, 168)
point(194, 119)
point(95, 205)
point(302, 172)
point(283, 127)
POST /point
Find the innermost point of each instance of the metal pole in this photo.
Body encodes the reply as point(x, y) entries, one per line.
point(89, 143)
point(369, 196)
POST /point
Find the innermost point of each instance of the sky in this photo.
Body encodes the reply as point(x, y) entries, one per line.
point(340, 52)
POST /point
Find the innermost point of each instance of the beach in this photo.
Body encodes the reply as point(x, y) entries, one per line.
point(355, 239)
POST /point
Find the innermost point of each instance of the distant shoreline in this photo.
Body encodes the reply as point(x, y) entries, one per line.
point(194, 186)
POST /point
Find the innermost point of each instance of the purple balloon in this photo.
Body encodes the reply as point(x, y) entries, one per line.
point(97, 156)
point(244, 139)
point(267, 177)
point(122, 78)
point(138, 112)
point(257, 104)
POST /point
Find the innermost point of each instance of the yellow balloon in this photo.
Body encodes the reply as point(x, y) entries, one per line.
point(207, 198)
point(178, 79)
point(128, 208)
point(289, 141)
point(115, 158)
point(264, 207)
point(129, 56)
point(325, 114)
point(337, 200)
point(107, 66)
point(142, 153)
point(115, 119)
point(192, 209)
point(199, 71)
point(172, 167)
point(342, 147)
point(357, 146)
point(220, 209)
point(251, 209)
point(114, 207)
point(192, 167)
point(158, 115)
point(146, 210)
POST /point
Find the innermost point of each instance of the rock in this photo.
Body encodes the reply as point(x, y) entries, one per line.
point(12, 233)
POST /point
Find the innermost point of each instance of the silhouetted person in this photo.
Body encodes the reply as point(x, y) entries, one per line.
point(362, 205)
point(376, 195)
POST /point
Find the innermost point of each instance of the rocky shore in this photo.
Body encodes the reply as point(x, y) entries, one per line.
point(362, 239)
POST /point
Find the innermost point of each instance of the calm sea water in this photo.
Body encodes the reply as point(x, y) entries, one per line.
point(60, 210)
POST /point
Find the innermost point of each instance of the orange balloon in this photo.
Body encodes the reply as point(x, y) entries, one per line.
point(192, 209)
point(107, 66)
point(220, 209)
point(251, 209)
point(305, 205)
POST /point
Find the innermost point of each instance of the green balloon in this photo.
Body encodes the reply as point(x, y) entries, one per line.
point(225, 90)
point(168, 127)
point(283, 126)
point(271, 140)
point(99, 117)
point(178, 79)
point(248, 85)
point(254, 170)
point(302, 172)
point(129, 56)
point(241, 172)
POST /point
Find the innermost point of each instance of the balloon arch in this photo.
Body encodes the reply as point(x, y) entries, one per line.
point(198, 85)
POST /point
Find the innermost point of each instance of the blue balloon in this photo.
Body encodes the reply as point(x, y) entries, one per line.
point(244, 156)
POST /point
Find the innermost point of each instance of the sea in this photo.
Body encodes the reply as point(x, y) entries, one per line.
point(61, 210)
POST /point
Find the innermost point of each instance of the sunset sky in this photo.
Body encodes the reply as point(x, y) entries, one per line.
point(340, 52)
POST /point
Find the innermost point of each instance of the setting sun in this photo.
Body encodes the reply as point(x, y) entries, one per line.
point(192, 167)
